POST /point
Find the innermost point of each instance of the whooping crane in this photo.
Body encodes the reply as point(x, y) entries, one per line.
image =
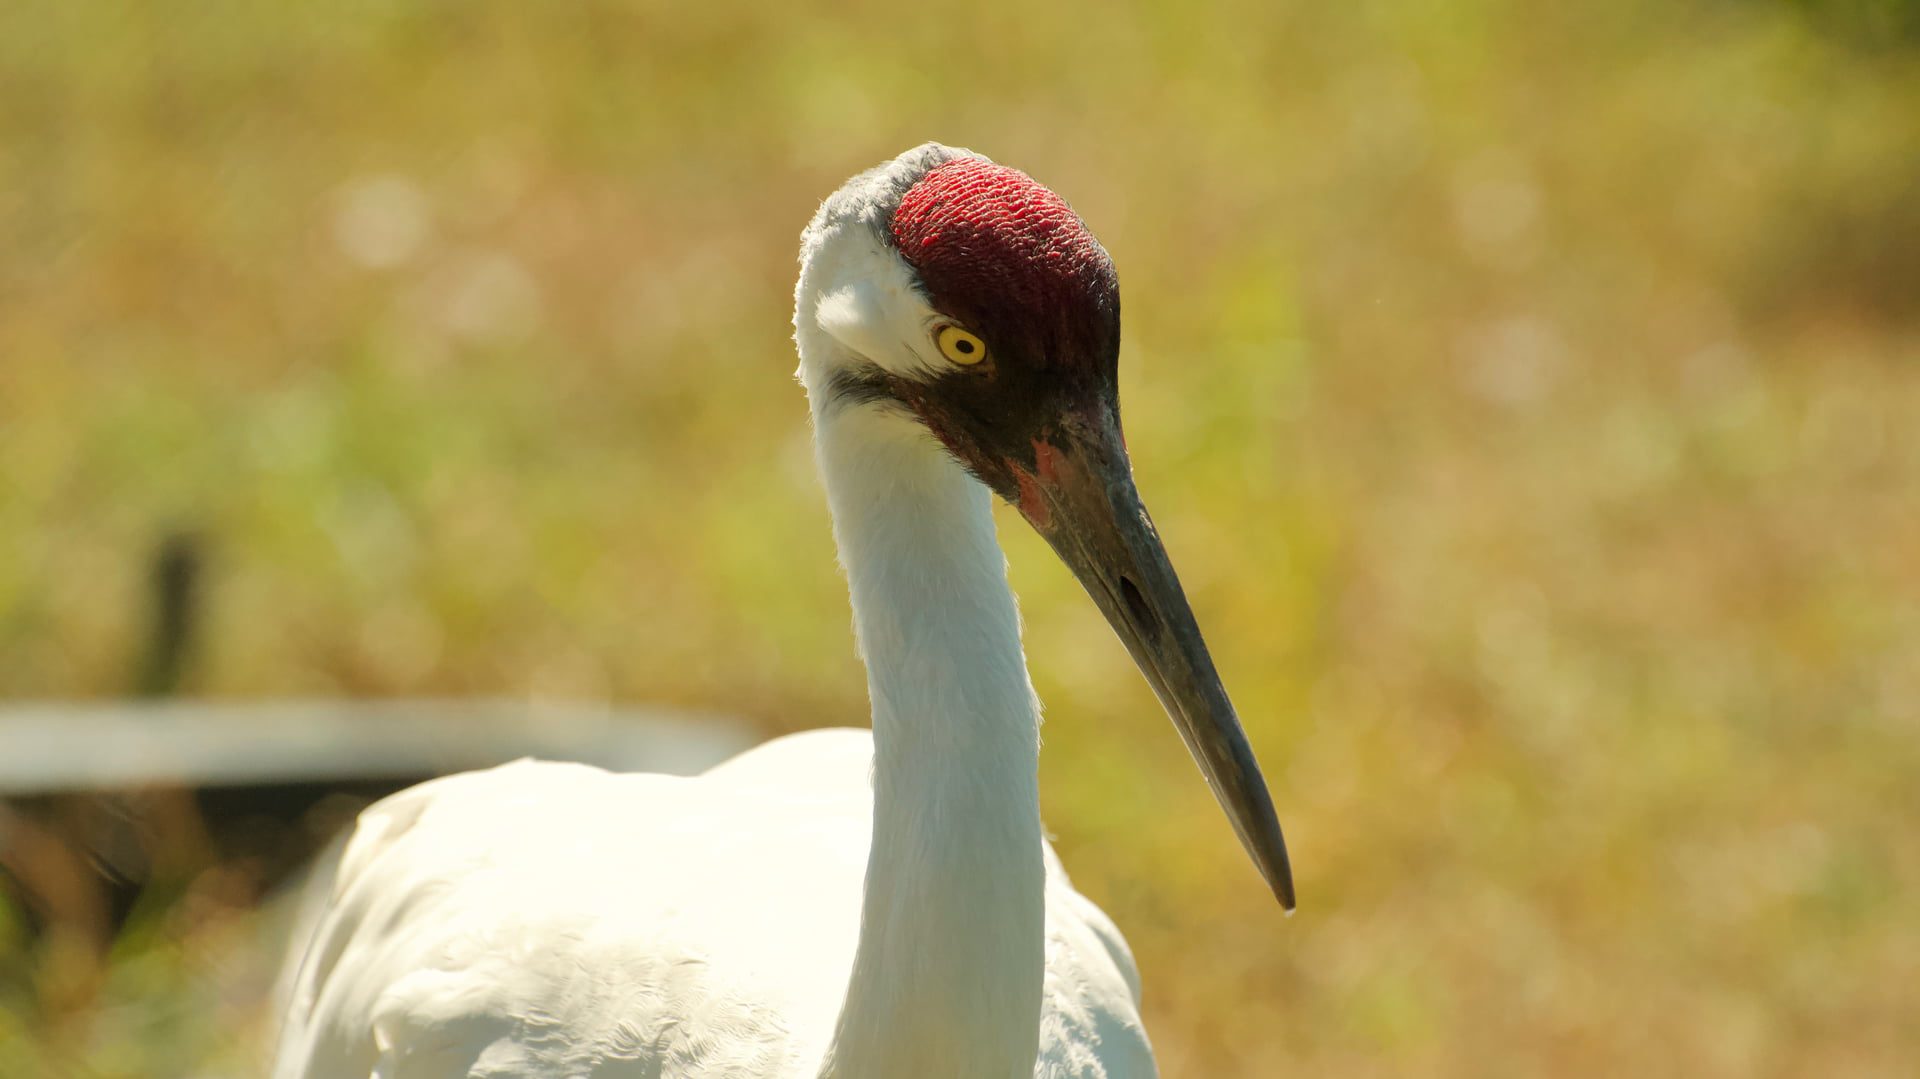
point(834, 903)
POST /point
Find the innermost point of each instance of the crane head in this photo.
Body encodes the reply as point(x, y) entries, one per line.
point(968, 298)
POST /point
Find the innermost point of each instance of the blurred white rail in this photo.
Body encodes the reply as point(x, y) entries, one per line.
point(48, 746)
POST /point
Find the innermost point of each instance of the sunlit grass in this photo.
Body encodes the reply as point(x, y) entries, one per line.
point(1528, 397)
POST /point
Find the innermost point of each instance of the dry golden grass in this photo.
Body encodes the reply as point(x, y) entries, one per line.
point(1528, 395)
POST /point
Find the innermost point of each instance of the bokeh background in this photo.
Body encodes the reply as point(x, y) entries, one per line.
point(1528, 394)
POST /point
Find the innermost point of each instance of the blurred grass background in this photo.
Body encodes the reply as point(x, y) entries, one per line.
point(1527, 394)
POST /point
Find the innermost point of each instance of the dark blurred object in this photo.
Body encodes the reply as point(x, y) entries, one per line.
point(108, 808)
point(175, 580)
point(79, 856)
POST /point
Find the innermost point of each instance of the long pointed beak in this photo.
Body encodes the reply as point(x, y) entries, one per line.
point(1081, 497)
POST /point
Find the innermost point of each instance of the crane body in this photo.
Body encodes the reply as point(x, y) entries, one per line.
point(834, 903)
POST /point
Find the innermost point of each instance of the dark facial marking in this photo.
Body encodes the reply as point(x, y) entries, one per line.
point(864, 385)
point(1004, 439)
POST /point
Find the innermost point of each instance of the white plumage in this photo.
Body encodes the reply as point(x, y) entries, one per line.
point(471, 936)
point(830, 903)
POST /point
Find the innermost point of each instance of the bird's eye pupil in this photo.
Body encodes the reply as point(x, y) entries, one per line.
point(960, 346)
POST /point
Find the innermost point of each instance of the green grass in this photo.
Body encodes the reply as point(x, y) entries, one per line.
point(1528, 395)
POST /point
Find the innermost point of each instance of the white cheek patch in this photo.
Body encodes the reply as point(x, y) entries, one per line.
point(869, 305)
point(856, 316)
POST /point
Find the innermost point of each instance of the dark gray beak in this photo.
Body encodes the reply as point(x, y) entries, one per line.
point(1081, 497)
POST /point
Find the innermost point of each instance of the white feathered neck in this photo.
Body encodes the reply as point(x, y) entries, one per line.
point(948, 973)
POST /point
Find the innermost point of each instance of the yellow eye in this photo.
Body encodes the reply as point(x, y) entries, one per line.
point(960, 346)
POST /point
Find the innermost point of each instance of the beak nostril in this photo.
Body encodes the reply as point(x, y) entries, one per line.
point(1138, 612)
